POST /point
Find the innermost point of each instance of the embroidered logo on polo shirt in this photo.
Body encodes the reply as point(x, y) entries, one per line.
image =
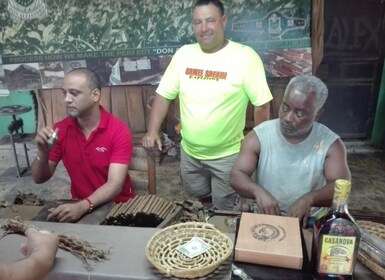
point(101, 149)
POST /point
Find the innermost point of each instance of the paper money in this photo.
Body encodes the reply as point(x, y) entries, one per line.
point(194, 247)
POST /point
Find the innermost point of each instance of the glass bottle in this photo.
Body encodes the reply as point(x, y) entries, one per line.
point(336, 237)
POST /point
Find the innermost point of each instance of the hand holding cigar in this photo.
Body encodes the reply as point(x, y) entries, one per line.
point(52, 139)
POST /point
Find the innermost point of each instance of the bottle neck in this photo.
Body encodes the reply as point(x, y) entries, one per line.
point(340, 207)
point(340, 200)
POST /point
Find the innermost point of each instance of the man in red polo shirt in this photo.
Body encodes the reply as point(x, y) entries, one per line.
point(95, 147)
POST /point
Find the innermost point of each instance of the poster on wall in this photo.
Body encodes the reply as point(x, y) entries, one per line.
point(132, 42)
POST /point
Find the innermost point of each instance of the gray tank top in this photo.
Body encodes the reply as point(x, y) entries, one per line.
point(287, 170)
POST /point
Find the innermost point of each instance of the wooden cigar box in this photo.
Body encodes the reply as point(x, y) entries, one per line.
point(269, 240)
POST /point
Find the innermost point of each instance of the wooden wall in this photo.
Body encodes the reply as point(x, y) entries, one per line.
point(131, 104)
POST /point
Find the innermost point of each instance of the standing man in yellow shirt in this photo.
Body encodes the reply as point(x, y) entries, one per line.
point(215, 79)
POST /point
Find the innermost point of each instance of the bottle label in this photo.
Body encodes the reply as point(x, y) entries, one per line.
point(337, 254)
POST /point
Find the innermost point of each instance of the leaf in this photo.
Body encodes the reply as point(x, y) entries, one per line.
point(34, 34)
point(48, 28)
point(123, 36)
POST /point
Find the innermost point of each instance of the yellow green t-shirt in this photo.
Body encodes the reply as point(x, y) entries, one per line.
point(214, 90)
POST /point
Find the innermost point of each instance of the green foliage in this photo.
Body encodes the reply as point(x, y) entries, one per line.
point(91, 25)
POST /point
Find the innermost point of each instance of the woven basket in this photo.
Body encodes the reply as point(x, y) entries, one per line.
point(379, 230)
point(161, 250)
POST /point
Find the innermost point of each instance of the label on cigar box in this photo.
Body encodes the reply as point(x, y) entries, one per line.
point(269, 240)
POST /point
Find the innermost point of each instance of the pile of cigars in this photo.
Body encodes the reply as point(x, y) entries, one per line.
point(141, 211)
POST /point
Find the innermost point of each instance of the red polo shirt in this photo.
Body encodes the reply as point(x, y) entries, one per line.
point(87, 161)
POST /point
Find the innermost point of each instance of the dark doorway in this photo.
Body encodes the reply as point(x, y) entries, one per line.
point(352, 64)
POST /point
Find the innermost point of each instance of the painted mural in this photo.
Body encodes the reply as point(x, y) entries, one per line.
point(132, 41)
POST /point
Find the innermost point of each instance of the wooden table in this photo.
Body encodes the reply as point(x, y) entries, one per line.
point(261, 272)
point(127, 258)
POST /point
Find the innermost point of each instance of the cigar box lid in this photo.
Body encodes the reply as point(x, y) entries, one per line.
point(269, 240)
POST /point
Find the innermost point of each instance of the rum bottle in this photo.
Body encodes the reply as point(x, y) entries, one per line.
point(335, 238)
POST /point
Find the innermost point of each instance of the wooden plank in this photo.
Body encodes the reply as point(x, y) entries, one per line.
point(41, 117)
point(105, 99)
point(58, 105)
point(47, 96)
point(148, 93)
point(119, 104)
point(135, 109)
point(151, 173)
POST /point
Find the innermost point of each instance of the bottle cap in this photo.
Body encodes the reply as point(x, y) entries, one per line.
point(341, 190)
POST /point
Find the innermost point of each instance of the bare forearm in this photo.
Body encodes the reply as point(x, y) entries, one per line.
point(40, 169)
point(105, 194)
point(159, 111)
point(31, 268)
point(243, 184)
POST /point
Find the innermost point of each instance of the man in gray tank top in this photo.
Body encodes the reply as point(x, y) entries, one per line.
point(295, 159)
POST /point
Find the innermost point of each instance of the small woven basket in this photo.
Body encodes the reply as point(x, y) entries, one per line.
point(376, 229)
point(161, 250)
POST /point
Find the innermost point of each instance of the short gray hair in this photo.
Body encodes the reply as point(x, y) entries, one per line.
point(310, 84)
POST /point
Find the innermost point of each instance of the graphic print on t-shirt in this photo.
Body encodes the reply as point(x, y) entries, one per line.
point(201, 74)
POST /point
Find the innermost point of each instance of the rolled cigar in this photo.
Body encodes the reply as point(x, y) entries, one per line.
point(373, 240)
point(166, 210)
point(372, 253)
point(114, 210)
point(148, 206)
point(159, 207)
point(142, 202)
point(131, 204)
point(155, 205)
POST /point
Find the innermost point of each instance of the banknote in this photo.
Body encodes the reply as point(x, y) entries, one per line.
point(194, 247)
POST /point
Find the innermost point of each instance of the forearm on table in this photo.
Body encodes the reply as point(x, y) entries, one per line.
point(31, 268)
point(105, 193)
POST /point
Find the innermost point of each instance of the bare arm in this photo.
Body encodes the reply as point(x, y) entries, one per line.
point(335, 167)
point(117, 174)
point(261, 113)
point(240, 177)
point(42, 169)
point(159, 111)
point(40, 251)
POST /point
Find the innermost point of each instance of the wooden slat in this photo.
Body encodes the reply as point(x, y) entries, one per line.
point(119, 104)
point(58, 106)
point(148, 93)
point(105, 99)
point(135, 109)
point(151, 173)
point(47, 95)
point(41, 116)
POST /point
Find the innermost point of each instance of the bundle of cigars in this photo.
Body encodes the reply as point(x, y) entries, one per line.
point(142, 211)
